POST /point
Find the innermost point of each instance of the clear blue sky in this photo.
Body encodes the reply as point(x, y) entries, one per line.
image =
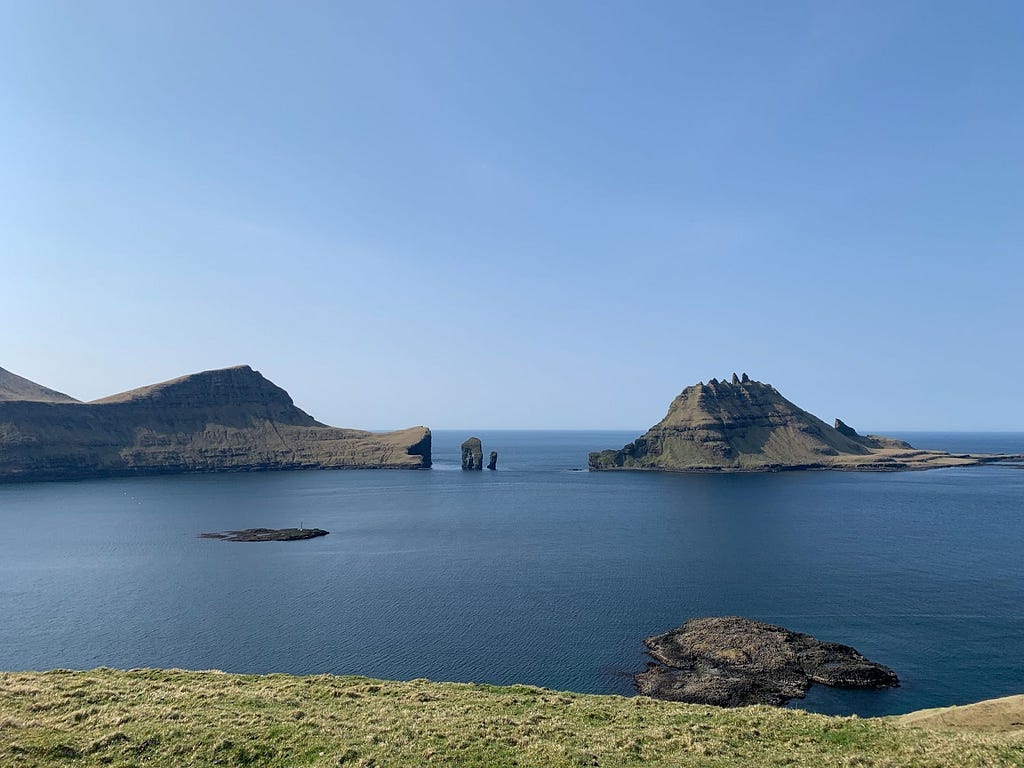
point(520, 214)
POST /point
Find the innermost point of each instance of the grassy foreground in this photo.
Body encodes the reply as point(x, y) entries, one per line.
point(176, 718)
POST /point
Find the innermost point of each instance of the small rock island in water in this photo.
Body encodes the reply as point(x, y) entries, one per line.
point(730, 661)
point(472, 453)
point(267, 534)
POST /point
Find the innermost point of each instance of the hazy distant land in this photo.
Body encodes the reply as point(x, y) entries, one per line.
point(233, 419)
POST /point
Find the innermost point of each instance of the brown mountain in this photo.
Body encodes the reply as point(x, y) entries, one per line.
point(14, 387)
point(745, 425)
point(231, 419)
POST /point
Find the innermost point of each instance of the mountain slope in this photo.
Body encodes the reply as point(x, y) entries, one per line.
point(230, 419)
point(746, 425)
point(14, 387)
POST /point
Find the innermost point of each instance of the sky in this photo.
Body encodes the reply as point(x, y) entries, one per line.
point(551, 214)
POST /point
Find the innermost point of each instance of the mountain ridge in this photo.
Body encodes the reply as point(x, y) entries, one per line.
point(17, 388)
point(225, 419)
point(743, 425)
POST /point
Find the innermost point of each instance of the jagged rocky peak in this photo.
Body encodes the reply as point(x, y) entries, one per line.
point(720, 386)
point(871, 441)
point(843, 428)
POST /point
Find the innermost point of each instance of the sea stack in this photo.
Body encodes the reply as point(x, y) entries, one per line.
point(229, 419)
point(493, 463)
point(473, 454)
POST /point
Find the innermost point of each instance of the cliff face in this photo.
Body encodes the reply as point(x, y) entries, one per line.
point(221, 420)
point(742, 425)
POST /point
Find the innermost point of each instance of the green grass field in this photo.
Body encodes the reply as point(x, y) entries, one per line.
point(176, 718)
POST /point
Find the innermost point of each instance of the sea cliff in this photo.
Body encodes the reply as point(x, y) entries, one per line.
point(229, 419)
point(742, 425)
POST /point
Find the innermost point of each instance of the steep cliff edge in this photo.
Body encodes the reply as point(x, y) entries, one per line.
point(230, 419)
point(746, 425)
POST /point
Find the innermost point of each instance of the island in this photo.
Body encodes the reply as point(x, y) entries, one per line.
point(229, 419)
point(732, 661)
point(744, 425)
point(267, 534)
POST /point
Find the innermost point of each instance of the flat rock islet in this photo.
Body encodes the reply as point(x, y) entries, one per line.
point(733, 661)
point(267, 534)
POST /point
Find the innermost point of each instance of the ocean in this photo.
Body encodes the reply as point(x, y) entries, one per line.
point(539, 573)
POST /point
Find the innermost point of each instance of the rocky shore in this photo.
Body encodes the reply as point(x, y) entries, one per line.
point(733, 661)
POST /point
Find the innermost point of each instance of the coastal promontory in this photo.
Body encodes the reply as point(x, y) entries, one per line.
point(742, 425)
point(229, 419)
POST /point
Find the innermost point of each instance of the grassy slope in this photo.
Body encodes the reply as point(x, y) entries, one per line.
point(175, 718)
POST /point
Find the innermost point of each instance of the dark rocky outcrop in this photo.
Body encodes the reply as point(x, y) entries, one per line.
point(267, 534)
point(748, 426)
point(871, 441)
point(733, 661)
point(492, 463)
point(231, 419)
point(473, 454)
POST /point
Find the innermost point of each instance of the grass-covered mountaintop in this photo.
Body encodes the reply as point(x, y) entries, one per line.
point(175, 718)
point(744, 425)
point(225, 420)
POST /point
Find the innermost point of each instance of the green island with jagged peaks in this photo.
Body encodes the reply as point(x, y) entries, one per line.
point(742, 425)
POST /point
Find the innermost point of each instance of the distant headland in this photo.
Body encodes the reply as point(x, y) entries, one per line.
point(229, 419)
point(742, 425)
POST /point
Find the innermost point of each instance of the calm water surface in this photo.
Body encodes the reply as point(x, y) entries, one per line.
point(537, 573)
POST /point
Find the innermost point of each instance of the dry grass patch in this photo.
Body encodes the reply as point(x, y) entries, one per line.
point(175, 718)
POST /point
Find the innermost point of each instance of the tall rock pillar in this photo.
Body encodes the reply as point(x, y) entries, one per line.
point(473, 454)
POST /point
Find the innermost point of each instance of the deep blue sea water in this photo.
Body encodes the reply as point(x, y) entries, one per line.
point(537, 573)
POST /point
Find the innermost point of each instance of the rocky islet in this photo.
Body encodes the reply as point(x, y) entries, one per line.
point(472, 454)
point(733, 661)
point(267, 534)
